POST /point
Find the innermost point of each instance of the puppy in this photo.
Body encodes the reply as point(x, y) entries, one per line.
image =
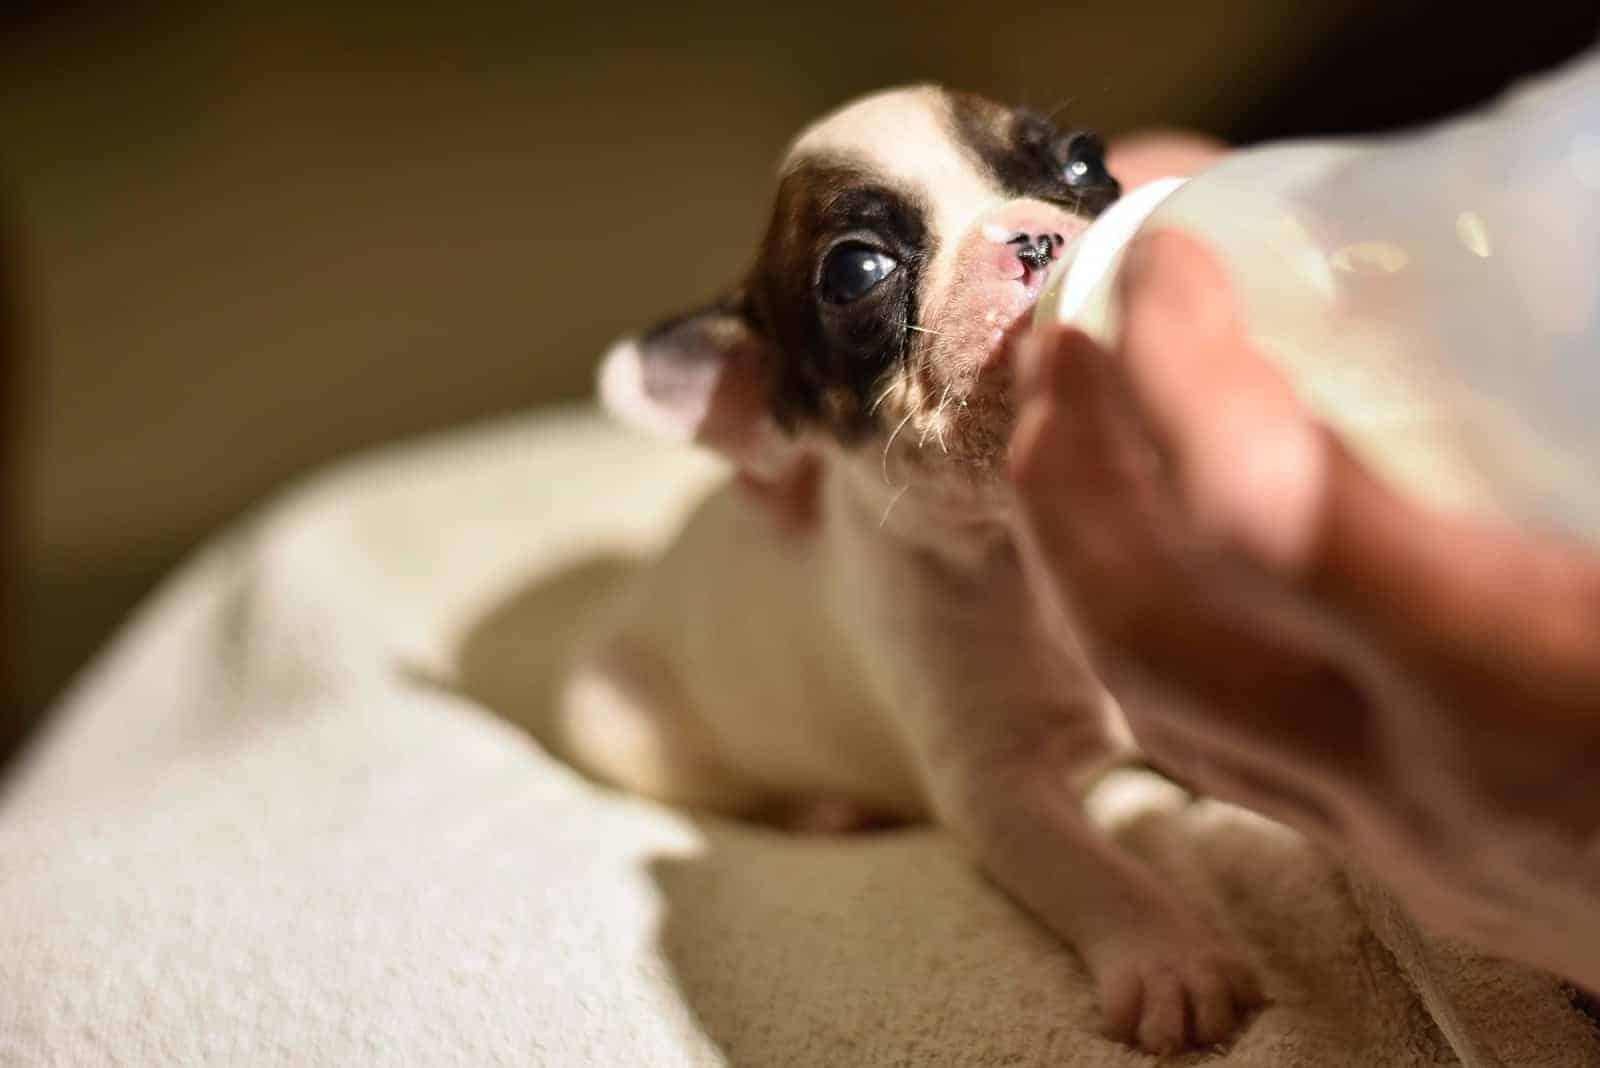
point(844, 634)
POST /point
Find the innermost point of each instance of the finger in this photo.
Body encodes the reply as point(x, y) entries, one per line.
point(1259, 476)
point(1101, 522)
point(1178, 738)
point(1085, 473)
point(1246, 458)
point(1507, 621)
point(1145, 156)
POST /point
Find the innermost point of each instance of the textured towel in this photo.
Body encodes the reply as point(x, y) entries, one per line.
point(290, 817)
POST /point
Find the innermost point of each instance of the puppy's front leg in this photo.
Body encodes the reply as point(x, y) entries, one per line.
point(1011, 785)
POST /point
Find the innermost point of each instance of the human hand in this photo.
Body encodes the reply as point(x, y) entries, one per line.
point(1419, 691)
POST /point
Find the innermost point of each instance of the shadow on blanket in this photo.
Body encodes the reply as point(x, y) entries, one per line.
point(894, 947)
point(891, 949)
point(512, 658)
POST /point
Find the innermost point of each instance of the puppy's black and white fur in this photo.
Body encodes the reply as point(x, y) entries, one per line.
point(844, 632)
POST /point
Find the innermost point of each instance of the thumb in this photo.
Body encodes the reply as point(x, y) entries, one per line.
point(1247, 459)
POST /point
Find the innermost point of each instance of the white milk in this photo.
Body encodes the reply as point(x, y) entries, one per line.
point(1434, 298)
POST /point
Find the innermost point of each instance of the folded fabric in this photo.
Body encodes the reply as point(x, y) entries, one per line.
point(298, 814)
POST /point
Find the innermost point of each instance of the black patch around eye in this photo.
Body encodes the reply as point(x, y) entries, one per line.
point(852, 270)
point(1028, 157)
point(1084, 162)
point(833, 335)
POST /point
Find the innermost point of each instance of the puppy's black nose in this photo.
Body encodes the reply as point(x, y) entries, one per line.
point(1036, 250)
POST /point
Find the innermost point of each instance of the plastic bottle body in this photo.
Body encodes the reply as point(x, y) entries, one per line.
point(1435, 298)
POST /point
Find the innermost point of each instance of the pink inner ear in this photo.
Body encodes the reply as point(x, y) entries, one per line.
point(706, 381)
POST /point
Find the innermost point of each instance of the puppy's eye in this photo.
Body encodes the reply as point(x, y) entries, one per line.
point(853, 270)
point(1084, 162)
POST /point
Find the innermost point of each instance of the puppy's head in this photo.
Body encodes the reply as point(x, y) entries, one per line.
point(910, 237)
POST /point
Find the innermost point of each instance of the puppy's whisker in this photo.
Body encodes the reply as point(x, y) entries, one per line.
point(890, 444)
point(1050, 116)
point(901, 492)
point(938, 417)
point(922, 329)
point(932, 425)
point(878, 403)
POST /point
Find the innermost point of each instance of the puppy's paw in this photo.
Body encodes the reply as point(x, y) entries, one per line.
point(1169, 986)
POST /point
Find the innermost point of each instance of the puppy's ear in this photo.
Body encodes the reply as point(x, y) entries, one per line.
point(705, 377)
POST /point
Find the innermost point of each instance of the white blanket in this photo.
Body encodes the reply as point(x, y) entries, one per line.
point(287, 819)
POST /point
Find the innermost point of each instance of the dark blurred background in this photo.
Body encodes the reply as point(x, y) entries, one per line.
point(236, 243)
